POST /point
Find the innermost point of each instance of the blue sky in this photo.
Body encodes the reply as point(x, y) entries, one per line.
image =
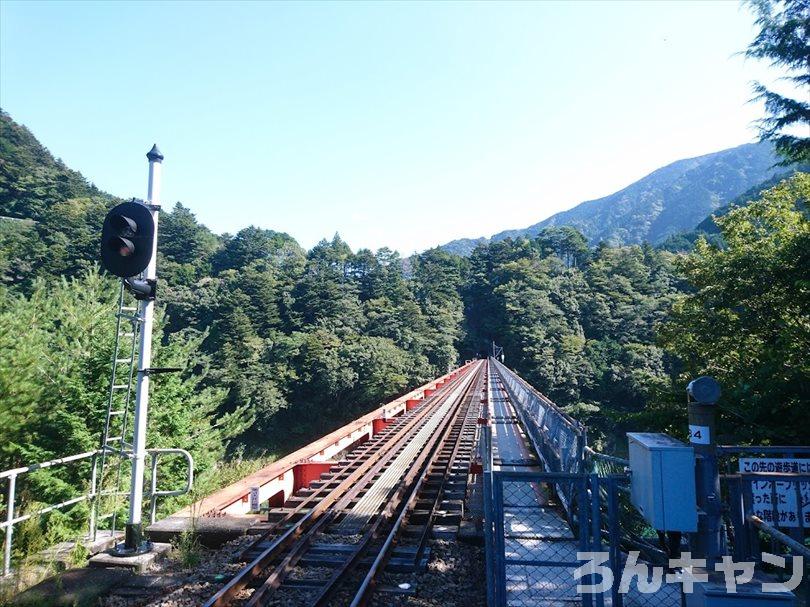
point(395, 124)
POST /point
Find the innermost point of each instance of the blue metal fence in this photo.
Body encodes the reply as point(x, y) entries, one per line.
point(768, 506)
point(586, 491)
point(533, 550)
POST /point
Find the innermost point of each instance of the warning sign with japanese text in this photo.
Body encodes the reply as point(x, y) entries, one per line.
point(786, 512)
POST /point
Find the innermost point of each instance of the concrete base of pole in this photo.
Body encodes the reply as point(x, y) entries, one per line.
point(140, 563)
point(134, 543)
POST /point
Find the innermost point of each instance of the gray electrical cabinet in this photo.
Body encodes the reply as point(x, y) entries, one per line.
point(662, 485)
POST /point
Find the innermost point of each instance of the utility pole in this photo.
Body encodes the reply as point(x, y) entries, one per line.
point(133, 540)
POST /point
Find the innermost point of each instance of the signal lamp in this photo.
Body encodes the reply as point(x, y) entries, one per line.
point(127, 239)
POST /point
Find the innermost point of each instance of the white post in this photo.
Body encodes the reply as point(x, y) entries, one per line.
point(12, 487)
point(134, 528)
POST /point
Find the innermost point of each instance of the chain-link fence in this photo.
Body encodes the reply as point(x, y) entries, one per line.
point(535, 547)
point(537, 553)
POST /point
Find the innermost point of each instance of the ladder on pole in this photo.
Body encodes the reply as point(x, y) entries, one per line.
point(116, 441)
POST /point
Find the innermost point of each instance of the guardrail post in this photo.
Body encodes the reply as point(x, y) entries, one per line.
point(596, 526)
point(153, 489)
point(703, 394)
point(93, 497)
point(12, 488)
point(499, 543)
point(584, 522)
point(737, 515)
point(615, 539)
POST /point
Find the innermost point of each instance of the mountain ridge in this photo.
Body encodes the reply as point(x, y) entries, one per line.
point(670, 200)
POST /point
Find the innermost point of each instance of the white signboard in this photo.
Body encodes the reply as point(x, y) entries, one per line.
point(699, 435)
point(762, 491)
point(254, 499)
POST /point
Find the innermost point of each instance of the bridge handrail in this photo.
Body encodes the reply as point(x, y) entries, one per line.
point(786, 540)
point(786, 450)
point(11, 492)
point(571, 422)
point(558, 439)
point(593, 454)
point(154, 493)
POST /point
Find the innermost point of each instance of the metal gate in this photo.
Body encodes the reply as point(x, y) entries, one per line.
point(534, 543)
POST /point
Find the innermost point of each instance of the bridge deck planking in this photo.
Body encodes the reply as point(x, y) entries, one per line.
point(370, 503)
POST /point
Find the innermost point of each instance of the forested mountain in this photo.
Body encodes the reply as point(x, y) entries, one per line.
point(671, 200)
point(709, 229)
point(280, 345)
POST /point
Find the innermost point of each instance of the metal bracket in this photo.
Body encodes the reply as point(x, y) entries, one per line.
point(159, 370)
point(142, 289)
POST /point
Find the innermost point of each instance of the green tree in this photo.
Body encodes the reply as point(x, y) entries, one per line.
point(438, 277)
point(252, 244)
point(185, 247)
point(54, 371)
point(748, 320)
point(327, 294)
point(784, 40)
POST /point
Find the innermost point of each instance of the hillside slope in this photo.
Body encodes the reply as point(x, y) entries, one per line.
point(670, 200)
point(31, 179)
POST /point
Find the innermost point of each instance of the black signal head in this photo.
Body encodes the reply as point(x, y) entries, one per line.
point(127, 238)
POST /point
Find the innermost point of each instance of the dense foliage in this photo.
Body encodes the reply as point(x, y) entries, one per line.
point(747, 321)
point(576, 323)
point(784, 40)
point(293, 341)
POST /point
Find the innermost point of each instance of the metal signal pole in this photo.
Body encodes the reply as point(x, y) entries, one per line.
point(133, 541)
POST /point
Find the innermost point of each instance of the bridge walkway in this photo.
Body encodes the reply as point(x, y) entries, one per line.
point(544, 504)
point(533, 526)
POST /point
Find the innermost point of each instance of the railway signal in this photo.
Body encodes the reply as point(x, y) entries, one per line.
point(129, 248)
point(127, 239)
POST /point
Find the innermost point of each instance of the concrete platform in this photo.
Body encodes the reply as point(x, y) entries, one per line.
point(139, 564)
point(212, 532)
point(61, 555)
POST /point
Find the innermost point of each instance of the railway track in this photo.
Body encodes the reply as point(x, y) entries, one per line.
point(377, 505)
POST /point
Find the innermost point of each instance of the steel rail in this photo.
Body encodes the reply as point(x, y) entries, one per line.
point(279, 543)
point(276, 578)
point(427, 459)
point(366, 588)
point(382, 439)
point(465, 420)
